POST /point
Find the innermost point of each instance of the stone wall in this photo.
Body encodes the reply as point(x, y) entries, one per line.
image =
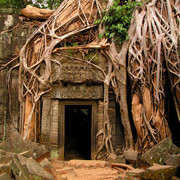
point(13, 35)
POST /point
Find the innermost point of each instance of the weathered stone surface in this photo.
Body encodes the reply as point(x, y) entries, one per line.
point(131, 156)
point(45, 163)
point(68, 171)
point(12, 37)
point(173, 160)
point(136, 173)
point(4, 176)
point(87, 163)
point(5, 168)
point(159, 172)
point(12, 41)
point(15, 144)
point(159, 152)
point(24, 168)
point(77, 72)
point(27, 153)
point(77, 91)
point(38, 150)
point(116, 159)
point(5, 157)
point(58, 164)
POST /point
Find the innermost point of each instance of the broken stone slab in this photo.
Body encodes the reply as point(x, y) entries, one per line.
point(131, 156)
point(158, 153)
point(38, 150)
point(5, 168)
point(26, 168)
point(15, 144)
point(136, 173)
point(27, 153)
point(46, 164)
point(4, 176)
point(116, 159)
point(173, 160)
point(159, 172)
point(5, 157)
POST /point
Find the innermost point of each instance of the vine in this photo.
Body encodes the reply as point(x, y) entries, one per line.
point(117, 20)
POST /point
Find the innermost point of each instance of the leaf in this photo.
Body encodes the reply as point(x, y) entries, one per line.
point(118, 19)
point(97, 21)
point(100, 36)
point(112, 35)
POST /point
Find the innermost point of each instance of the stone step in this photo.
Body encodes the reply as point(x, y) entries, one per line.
point(87, 163)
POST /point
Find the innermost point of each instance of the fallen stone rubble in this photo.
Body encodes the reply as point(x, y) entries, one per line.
point(22, 160)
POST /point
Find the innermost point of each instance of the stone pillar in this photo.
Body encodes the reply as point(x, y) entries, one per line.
point(100, 117)
point(54, 123)
point(112, 114)
point(46, 120)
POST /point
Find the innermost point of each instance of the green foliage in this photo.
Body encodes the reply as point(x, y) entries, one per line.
point(13, 3)
point(118, 19)
point(93, 56)
point(51, 4)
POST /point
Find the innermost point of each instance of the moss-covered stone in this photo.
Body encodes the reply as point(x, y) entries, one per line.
point(4, 176)
point(5, 10)
point(161, 172)
point(13, 40)
point(136, 173)
point(158, 153)
point(24, 168)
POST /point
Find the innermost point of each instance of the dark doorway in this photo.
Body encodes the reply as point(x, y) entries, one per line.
point(77, 132)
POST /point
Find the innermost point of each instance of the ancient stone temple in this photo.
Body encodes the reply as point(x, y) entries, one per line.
point(66, 86)
point(69, 116)
point(72, 113)
point(67, 99)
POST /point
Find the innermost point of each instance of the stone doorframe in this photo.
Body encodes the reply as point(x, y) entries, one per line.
point(94, 127)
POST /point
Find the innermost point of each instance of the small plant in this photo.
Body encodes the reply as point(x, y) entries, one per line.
point(118, 19)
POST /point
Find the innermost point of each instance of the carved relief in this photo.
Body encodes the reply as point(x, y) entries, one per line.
point(77, 73)
point(77, 91)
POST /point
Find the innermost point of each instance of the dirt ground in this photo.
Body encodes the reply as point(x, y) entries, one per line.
point(86, 170)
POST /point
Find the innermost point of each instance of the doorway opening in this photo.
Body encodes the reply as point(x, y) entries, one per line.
point(77, 132)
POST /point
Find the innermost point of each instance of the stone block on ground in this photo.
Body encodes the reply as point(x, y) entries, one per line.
point(173, 160)
point(131, 156)
point(136, 173)
point(116, 159)
point(160, 172)
point(5, 168)
point(15, 144)
point(38, 150)
point(26, 168)
point(46, 164)
point(5, 157)
point(159, 152)
point(27, 153)
point(4, 176)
